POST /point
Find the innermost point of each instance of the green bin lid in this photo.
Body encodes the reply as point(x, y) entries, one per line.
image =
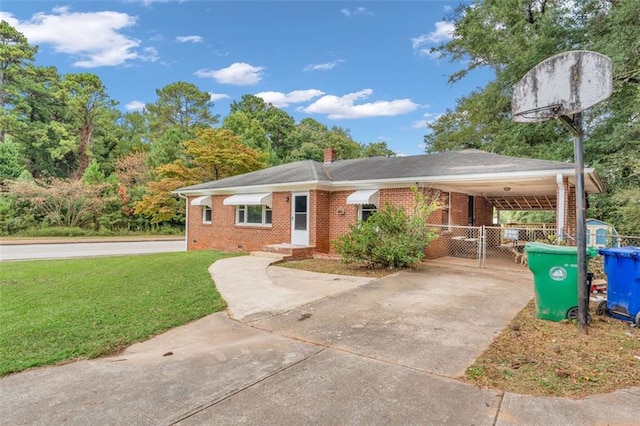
point(553, 249)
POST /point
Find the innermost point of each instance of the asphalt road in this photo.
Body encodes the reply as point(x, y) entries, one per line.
point(68, 250)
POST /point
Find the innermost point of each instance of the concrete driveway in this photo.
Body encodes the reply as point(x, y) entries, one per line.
point(433, 319)
point(380, 353)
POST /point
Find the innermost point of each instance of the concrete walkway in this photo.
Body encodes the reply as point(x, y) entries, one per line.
point(312, 350)
point(254, 292)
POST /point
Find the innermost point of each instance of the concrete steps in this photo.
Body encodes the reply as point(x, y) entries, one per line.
point(290, 251)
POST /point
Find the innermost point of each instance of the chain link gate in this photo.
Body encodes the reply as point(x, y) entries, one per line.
point(503, 246)
point(487, 246)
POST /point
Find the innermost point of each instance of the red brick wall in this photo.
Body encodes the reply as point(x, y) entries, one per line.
point(329, 217)
point(570, 209)
point(341, 215)
point(319, 220)
point(570, 214)
point(399, 197)
point(484, 212)
point(224, 234)
point(459, 209)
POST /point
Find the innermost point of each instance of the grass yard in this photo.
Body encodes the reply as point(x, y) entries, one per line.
point(58, 310)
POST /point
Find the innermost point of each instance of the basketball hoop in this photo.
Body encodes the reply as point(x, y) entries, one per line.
point(564, 84)
point(562, 87)
point(538, 114)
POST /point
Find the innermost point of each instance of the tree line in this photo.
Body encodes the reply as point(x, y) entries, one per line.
point(62, 137)
point(511, 37)
point(70, 158)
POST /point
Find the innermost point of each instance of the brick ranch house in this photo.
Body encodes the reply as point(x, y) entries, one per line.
point(299, 208)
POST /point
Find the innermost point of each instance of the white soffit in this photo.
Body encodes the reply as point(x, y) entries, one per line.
point(249, 199)
point(205, 200)
point(364, 196)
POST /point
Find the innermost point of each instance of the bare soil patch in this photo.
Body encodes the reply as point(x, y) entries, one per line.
point(329, 266)
point(540, 357)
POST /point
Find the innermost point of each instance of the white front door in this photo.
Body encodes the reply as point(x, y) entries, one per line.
point(300, 218)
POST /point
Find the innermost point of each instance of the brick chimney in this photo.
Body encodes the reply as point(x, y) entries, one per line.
point(330, 155)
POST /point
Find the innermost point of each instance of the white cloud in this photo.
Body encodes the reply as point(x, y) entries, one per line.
point(217, 96)
point(94, 38)
point(148, 2)
point(150, 54)
point(356, 11)
point(444, 31)
point(190, 39)
point(344, 107)
point(429, 118)
point(282, 100)
point(323, 67)
point(135, 106)
point(239, 74)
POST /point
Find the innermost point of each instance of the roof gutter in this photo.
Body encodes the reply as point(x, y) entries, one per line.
point(329, 185)
point(465, 178)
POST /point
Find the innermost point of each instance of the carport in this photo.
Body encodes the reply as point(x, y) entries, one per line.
point(482, 243)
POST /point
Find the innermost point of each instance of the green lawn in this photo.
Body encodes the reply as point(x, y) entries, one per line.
point(57, 310)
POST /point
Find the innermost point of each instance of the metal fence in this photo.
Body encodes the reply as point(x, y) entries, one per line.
point(503, 247)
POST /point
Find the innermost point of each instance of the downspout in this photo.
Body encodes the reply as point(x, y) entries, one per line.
point(186, 221)
point(560, 215)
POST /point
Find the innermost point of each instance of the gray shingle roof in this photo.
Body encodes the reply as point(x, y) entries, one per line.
point(429, 165)
point(299, 171)
point(440, 164)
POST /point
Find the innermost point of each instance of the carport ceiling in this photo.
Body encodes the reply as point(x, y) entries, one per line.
point(512, 194)
point(523, 202)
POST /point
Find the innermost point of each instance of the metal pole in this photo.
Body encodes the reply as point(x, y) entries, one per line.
point(583, 293)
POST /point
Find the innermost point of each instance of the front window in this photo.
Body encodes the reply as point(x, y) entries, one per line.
point(206, 214)
point(253, 215)
point(365, 211)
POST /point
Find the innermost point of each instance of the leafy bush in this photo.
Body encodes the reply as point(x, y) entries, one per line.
point(390, 238)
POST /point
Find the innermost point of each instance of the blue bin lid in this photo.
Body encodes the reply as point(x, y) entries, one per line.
point(633, 252)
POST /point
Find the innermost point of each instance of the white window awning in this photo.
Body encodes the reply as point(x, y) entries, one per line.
point(364, 196)
point(249, 199)
point(202, 201)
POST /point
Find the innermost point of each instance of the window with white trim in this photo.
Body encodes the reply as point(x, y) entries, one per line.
point(258, 215)
point(365, 211)
point(206, 214)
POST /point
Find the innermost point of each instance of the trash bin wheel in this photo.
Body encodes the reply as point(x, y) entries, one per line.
point(601, 309)
point(572, 314)
point(638, 319)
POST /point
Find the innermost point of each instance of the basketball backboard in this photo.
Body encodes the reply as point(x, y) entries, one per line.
point(562, 85)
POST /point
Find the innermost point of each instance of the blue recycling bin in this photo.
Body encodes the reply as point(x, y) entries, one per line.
point(622, 267)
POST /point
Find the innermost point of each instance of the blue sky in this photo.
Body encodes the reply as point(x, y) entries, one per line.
point(364, 66)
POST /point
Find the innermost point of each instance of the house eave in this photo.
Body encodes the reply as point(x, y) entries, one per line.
point(276, 187)
point(596, 185)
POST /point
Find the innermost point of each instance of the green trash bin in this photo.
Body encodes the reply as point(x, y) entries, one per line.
point(555, 279)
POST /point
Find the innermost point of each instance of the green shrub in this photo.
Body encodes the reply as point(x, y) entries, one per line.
point(56, 231)
point(390, 238)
